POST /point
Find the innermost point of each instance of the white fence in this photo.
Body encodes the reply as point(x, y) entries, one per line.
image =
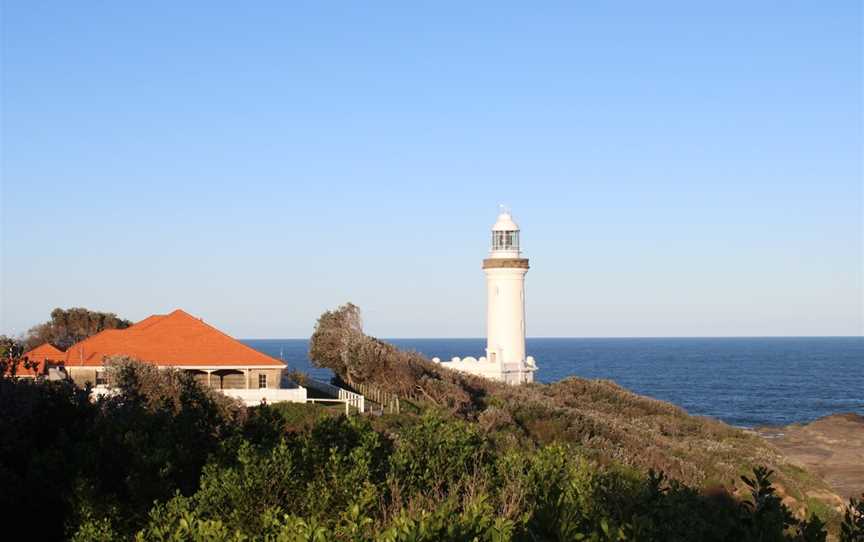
point(257, 396)
point(353, 399)
point(348, 397)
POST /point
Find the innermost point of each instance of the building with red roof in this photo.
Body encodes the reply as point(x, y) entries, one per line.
point(45, 356)
point(177, 340)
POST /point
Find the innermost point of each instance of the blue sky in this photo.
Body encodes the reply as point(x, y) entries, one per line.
point(678, 169)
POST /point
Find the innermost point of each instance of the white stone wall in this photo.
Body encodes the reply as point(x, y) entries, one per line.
point(252, 397)
point(514, 373)
point(480, 367)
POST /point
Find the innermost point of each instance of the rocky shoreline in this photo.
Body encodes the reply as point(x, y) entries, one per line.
point(831, 447)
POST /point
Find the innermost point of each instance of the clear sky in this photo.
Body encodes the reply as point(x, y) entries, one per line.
point(678, 168)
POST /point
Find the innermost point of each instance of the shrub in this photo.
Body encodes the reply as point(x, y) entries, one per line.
point(218, 471)
point(44, 445)
point(852, 529)
point(435, 453)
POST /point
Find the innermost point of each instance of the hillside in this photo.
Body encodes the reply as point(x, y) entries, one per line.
point(608, 423)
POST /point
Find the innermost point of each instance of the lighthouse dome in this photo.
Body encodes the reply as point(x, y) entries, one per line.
point(505, 222)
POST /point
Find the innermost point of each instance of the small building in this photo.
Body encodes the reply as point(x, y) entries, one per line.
point(177, 340)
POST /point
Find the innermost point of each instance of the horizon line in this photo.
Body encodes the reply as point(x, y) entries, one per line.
point(587, 337)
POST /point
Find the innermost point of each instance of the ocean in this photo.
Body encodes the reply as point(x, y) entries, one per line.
point(746, 382)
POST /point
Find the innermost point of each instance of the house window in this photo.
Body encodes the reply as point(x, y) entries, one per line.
point(101, 378)
point(262, 381)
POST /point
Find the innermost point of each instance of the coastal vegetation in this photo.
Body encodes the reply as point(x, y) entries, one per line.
point(606, 422)
point(167, 459)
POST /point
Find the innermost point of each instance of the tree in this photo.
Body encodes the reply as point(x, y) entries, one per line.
point(12, 357)
point(68, 326)
point(335, 333)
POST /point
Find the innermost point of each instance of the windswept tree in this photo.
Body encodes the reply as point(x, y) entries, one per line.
point(335, 333)
point(339, 344)
point(68, 326)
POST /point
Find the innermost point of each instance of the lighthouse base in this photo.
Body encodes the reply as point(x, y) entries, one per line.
point(511, 373)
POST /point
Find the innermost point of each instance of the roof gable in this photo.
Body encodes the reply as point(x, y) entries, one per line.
point(46, 350)
point(41, 354)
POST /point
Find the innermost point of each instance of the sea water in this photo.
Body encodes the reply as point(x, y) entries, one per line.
point(745, 382)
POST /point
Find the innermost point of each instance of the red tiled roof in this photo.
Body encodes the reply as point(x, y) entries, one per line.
point(41, 354)
point(175, 339)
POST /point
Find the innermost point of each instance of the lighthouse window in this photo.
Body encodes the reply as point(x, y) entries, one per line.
point(505, 240)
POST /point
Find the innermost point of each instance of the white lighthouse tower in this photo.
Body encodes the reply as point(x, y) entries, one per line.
point(505, 270)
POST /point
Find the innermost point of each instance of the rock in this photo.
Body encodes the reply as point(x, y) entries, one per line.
point(831, 447)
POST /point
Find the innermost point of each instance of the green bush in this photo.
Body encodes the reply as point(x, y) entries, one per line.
point(165, 459)
point(436, 453)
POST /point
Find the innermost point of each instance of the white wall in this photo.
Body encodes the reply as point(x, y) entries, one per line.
point(254, 397)
point(479, 367)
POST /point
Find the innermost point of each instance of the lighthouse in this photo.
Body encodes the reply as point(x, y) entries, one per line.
point(505, 271)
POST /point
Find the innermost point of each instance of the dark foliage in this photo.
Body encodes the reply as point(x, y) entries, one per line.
point(68, 326)
point(64, 458)
point(765, 518)
point(12, 358)
point(44, 432)
point(852, 529)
